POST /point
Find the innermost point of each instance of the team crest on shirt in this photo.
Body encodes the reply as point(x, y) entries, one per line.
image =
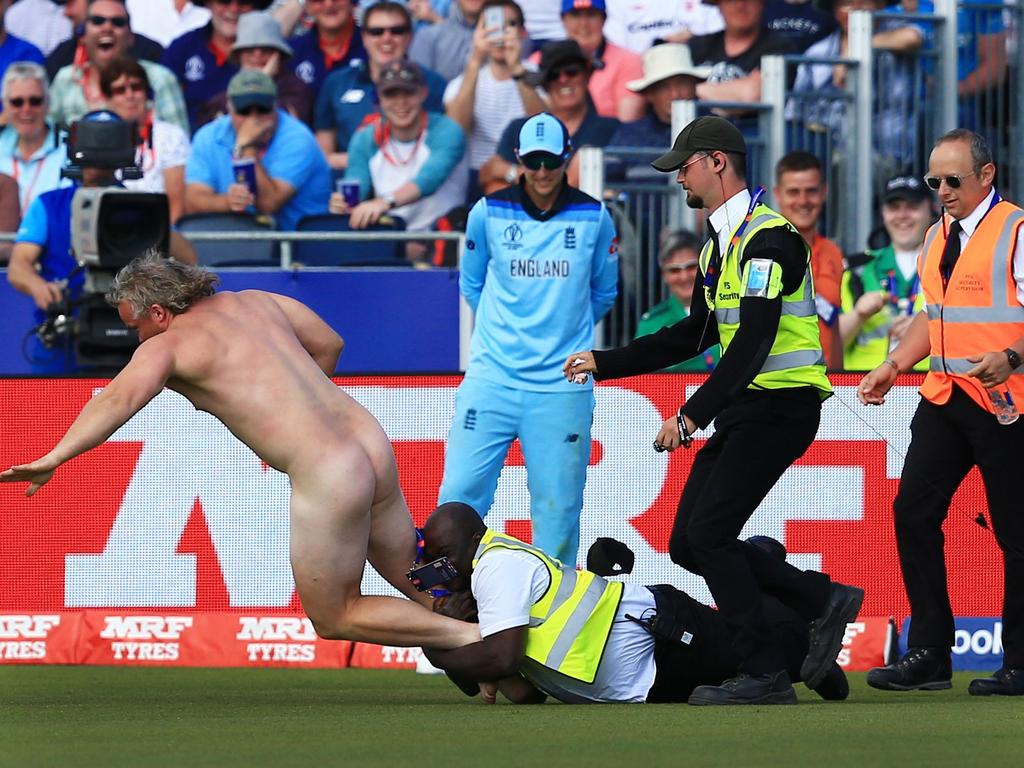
point(305, 71)
point(570, 238)
point(195, 69)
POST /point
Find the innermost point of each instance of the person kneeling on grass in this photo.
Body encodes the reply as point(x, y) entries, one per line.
point(550, 630)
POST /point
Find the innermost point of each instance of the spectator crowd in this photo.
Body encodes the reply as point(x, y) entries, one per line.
point(269, 108)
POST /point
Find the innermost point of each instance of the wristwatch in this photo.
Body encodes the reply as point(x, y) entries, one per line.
point(1013, 358)
point(390, 200)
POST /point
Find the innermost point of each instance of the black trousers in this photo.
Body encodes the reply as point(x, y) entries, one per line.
point(709, 657)
point(756, 439)
point(947, 440)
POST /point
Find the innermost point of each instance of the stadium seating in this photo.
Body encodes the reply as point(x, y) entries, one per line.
point(220, 253)
point(377, 253)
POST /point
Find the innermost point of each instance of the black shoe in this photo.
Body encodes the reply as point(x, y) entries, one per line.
point(747, 689)
point(827, 632)
point(1004, 682)
point(919, 669)
point(834, 686)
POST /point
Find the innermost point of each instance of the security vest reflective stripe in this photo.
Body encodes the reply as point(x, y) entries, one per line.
point(871, 345)
point(978, 311)
point(570, 624)
point(795, 358)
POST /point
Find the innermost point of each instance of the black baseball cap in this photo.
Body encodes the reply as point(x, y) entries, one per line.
point(705, 134)
point(905, 187)
point(554, 55)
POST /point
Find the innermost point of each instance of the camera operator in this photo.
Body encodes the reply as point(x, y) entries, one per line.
point(43, 266)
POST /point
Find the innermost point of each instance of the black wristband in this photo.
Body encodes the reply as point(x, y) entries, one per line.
point(685, 438)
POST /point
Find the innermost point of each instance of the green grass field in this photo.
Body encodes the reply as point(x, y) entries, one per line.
point(101, 716)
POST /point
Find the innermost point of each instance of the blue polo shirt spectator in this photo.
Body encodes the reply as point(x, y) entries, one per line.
point(38, 173)
point(312, 65)
point(14, 49)
point(348, 98)
point(291, 156)
point(202, 71)
point(47, 223)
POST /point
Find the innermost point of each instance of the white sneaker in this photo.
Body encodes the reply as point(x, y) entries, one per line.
point(424, 667)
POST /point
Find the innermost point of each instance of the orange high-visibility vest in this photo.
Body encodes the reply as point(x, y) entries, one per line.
point(978, 311)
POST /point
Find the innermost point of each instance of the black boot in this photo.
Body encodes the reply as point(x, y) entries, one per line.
point(1005, 681)
point(834, 686)
point(747, 689)
point(919, 669)
point(827, 632)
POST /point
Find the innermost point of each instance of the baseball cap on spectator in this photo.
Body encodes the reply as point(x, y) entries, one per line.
point(258, 29)
point(905, 188)
point(705, 134)
point(664, 61)
point(544, 133)
point(557, 54)
point(400, 76)
point(252, 87)
point(568, 6)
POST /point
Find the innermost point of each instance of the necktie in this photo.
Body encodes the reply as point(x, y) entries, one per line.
point(716, 251)
point(952, 250)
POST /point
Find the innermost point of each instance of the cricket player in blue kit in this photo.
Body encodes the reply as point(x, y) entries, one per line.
point(540, 268)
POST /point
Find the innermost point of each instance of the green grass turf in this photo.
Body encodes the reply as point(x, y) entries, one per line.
point(105, 716)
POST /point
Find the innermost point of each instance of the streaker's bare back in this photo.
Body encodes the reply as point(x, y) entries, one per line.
point(238, 358)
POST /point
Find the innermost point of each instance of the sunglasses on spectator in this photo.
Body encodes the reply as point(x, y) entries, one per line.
point(121, 90)
point(398, 31)
point(573, 70)
point(117, 21)
point(953, 182)
point(18, 101)
point(253, 109)
point(537, 160)
point(680, 267)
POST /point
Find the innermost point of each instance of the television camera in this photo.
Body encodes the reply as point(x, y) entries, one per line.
point(110, 226)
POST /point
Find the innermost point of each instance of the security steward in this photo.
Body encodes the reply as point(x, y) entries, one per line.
point(549, 629)
point(765, 397)
point(972, 332)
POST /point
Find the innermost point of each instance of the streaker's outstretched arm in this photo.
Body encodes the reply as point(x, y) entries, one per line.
point(138, 383)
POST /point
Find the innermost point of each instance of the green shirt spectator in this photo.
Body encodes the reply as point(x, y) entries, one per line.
point(678, 259)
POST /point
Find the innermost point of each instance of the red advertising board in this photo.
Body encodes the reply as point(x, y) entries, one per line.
point(173, 517)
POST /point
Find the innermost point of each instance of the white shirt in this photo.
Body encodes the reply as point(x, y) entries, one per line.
point(906, 262)
point(543, 19)
point(727, 217)
point(170, 150)
point(40, 22)
point(636, 24)
point(506, 583)
point(496, 103)
point(970, 223)
point(159, 20)
point(388, 177)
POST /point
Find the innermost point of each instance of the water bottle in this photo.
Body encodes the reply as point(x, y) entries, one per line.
point(1002, 402)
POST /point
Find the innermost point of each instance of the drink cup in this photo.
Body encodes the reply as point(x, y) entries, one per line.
point(349, 190)
point(245, 173)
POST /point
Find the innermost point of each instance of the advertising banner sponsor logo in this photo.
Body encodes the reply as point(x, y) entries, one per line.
point(37, 638)
point(174, 517)
point(977, 643)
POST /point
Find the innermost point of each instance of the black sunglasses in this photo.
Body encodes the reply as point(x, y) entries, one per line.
point(253, 109)
point(537, 160)
point(117, 21)
point(953, 182)
point(570, 71)
point(397, 31)
point(33, 101)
